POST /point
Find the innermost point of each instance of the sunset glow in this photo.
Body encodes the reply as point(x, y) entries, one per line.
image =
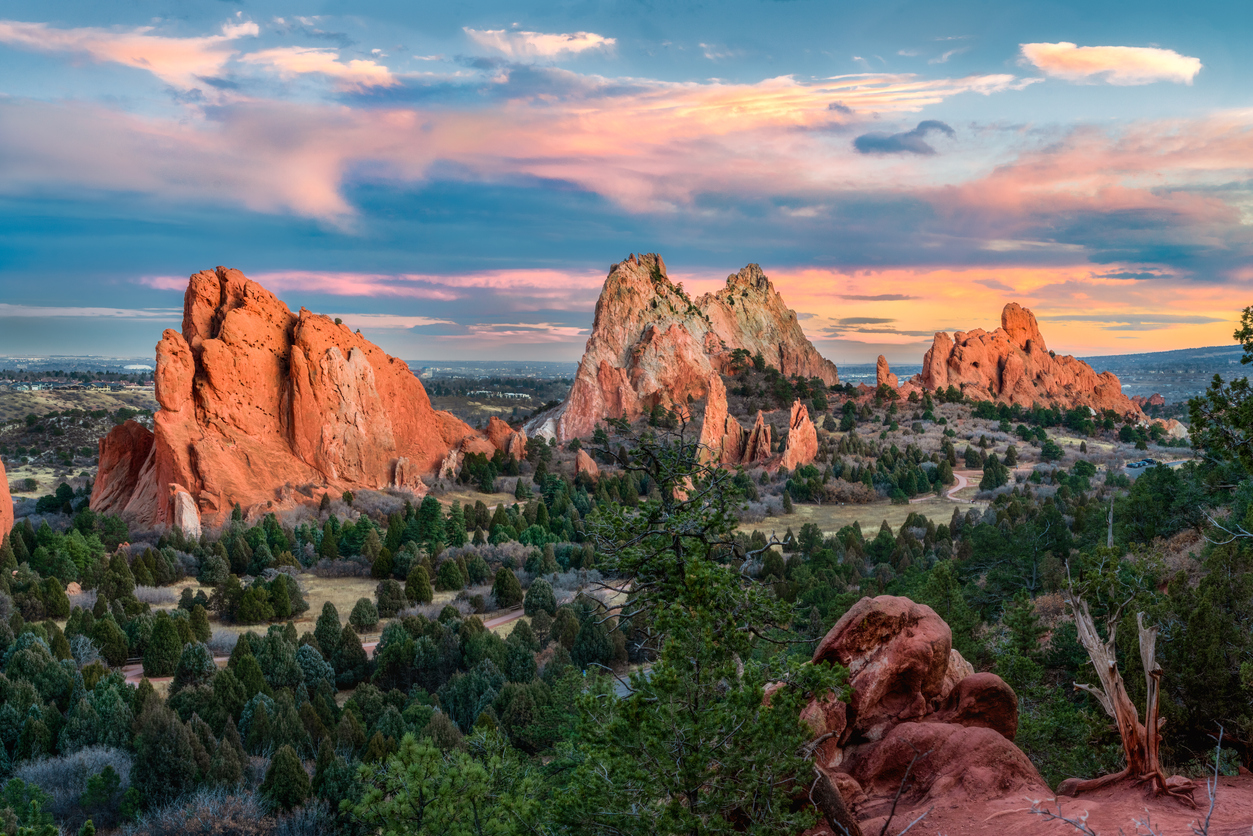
point(461, 186)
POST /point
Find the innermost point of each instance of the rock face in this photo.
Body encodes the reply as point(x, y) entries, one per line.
point(723, 441)
point(912, 694)
point(802, 438)
point(883, 375)
point(1013, 365)
point(259, 405)
point(583, 463)
point(652, 344)
point(506, 439)
point(6, 505)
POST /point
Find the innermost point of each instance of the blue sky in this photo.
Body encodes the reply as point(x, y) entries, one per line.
point(457, 178)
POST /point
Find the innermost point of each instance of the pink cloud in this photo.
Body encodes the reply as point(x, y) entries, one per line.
point(1123, 65)
point(176, 61)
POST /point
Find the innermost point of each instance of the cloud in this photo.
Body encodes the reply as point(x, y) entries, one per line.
point(909, 142)
point(520, 45)
point(44, 311)
point(293, 61)
point(390, 322)
point(180, 62)
point(1122, 65)
point(880, 297)
point(864, 320)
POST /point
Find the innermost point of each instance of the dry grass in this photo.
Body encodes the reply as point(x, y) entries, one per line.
point(14, 406)
point(831, 518)
point(469, 496)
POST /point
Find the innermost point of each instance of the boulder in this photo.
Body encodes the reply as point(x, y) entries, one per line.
point(915, 705)
point(6, 505)
point(653, 345)
point(951, 764)
point(883, 375)
point(896, 653)
point(260, 406)
point(802, 438)
point(1013, 365)
point(583, 463)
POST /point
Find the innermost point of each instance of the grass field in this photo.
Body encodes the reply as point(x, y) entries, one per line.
point(831, 518)
point(14, 406)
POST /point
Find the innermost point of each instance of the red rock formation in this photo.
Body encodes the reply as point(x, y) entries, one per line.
point(6, 505)
point(258, 404)
point(651, 344)
point(883, 375)
point(757, 445)
point(506, 439)
point(912, 694)
point(1013, 365)
point(583, 463)
point(713, 428)
point(122, 454)
point(802, 438)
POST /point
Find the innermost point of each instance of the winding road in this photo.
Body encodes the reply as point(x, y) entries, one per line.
point(962, 482)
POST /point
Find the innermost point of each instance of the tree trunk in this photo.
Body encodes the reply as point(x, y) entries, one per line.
point(1140, 742)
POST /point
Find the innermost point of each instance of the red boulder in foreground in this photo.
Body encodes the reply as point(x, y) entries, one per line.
point(914, 707)
point(266, 408)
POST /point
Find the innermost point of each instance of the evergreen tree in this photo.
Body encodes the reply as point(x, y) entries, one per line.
point(364, 616)
point(164, 766)
point(164, 648)
point(455, 526)
point(507, 590)
point(540, 597)
point(418, 586)
point(329, 548)
point(230, 759)
point(1024, 626)
point(286, 783)
point(327, 631)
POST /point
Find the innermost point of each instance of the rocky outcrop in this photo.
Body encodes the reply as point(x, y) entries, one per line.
point(1152, 400)
point(6, 505)
point(651, 344)
point(585, 464)
point(911, 694)
point(883, 374)
point(757, 445)
point(505, 438)
point(260, 406)
point(802, 438)
point(1013, 365)
point(713, 428)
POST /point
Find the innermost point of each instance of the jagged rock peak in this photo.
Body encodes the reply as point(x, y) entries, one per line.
point(652, 344)
point(263, 407)
point(1012, 364)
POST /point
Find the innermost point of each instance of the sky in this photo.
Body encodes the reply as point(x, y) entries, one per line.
point(455, 179)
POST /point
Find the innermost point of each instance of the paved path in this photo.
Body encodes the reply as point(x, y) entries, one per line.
point(135, 672)
point(962, 482)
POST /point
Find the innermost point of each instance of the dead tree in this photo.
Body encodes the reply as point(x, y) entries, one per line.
point(1140, 741)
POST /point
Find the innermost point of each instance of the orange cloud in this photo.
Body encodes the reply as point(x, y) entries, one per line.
point(176, 61)
point(1123, 65)
point(1082, 310)
point(293, 61)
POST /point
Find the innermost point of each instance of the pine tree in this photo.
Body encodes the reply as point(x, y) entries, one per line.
point(418, 586)
point(1024, 626)
point(329, 549)
point(455, 526)
point(351, 664)
point(227, 766)
point(164, 766)
point(164, 648)
point(327, 631)
point(364, 616)
point(507, 590)
point(286, 783)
